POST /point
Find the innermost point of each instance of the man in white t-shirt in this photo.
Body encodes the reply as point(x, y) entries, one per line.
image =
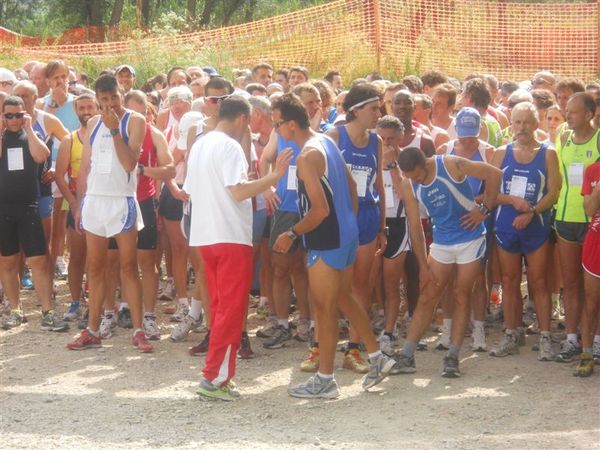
point(217, 182)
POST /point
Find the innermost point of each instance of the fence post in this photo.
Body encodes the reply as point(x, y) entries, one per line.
point(377, 17)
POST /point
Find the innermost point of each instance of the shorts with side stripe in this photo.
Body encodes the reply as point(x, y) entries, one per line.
point(398, 239)
point(463, 253)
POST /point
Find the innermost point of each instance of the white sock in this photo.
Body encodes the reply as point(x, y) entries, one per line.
point(283, 323)
point(381, 312)
point(196, 309)
point(123, 305)
point(312, 324)
point(93, 333)
point(572, 337)
point(323, 376)
point(183, 301)
point(109, 312)
point(477, 324)
point(597, 339)
point(373, 356)
point(136, 331)
point(264, 301)
point(555, 297)
point(447, 325)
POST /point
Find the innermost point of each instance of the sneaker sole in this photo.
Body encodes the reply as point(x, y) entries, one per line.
point(480, 350)
point(450, 374)
point(331, 396)
point(85, 348)
point(385, 371)
point(275, 346)
point(55, 329)
point(210, 395)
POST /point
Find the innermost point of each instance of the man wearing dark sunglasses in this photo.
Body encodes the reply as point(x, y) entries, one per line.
point(21, 151)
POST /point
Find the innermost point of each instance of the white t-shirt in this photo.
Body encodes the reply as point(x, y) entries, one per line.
point(215, 162)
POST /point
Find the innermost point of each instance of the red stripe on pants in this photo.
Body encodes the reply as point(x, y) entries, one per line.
point(228, 271)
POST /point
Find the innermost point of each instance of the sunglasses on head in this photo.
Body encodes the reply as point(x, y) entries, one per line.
point(10, 116)
point(213, 100)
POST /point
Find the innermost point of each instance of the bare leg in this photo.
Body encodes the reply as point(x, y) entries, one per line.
point(537, 266)
point(393, 270)
point(130, 280)
point(511, 280)
point(570, 265)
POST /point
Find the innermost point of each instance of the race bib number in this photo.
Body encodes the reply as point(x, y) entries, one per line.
point(15, 159)
point(576, 174)
point(360, 178)
point(104, 159)
point(518, 186)
point(292, 182)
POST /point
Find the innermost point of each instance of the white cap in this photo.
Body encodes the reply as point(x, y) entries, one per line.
point(187, 120)
point(180, 93)
point(7, 75)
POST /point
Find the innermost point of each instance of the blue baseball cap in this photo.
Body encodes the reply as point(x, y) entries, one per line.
point(468, 122)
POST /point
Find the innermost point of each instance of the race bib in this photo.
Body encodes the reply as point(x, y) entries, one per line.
point(15, 159)
point(292, 182)
point(518, 186)
point(104, 159)
point(389, 190)
point(576, 174)
point(360, 178)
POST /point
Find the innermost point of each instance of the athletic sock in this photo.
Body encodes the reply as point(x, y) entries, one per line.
point(183, 301)
point(478, 323)
point(136, 331)
point(93, 333)
point(264, 301)
point(587, 350)
point(122, 306)
point(545, 333)
point(390, 335)
point(408, 349)
point(453, 350)
point(326, 377)
point(312, 324)
point(572, 337)
point(447, 324)
point(109, 312)
point(195, 309)
point(597, 339)
point(283, 323)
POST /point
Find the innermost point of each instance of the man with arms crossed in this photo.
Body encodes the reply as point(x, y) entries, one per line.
point(328, 203)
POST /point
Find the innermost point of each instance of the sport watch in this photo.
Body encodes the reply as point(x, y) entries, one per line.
point(292, 234)
point(484, 209)
point(114, 132)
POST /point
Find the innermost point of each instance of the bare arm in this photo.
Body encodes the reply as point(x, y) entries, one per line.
point(492, 176)
point(62, 164)
point(442, 149)
point(166, 167)
point(269, 154)
point(39, 151)
point(55, 127)
point(554, 183)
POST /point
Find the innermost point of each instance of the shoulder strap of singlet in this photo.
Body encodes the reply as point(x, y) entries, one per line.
point(95, 131)
point(450, 146)
point(124, 125)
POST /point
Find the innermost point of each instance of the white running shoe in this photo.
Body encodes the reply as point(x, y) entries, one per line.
point(478, 335)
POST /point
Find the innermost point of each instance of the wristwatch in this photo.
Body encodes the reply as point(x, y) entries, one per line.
point(292, 234)
point(532, 209)
point(114, 132)
point(484, 209)
point(141, 169)
point(392, 165)
point(52, 104)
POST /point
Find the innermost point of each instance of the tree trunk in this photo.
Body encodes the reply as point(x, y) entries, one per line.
point(95, 10)
point(230, 10)
point(209, 5)
point(249, 14)
point(117, 11)
point(191, 10)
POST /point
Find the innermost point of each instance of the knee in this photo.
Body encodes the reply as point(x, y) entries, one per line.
point(281, 271)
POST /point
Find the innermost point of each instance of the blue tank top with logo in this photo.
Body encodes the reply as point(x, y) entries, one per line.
point(446, 201)
point(362, 162)
point(528, 181)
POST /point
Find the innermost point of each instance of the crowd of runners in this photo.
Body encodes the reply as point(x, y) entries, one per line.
point(365, 211)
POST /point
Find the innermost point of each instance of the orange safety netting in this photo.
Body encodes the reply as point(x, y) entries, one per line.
point(510, 40)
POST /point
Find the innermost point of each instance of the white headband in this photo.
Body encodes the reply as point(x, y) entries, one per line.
point(363, 103)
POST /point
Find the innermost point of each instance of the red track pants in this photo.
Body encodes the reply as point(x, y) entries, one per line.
point(228, 272)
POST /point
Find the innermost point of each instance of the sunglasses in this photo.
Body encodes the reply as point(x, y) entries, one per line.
point(11, 116)
point(276, 125)
point(6, 83)
point(213, 100)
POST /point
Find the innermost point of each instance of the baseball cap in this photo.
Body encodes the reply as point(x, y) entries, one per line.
point(180, 93)
point(468, 122)
point(544, 76)
point(187, 120)
point(211, 71)
point(123, 67)
point(7, 75)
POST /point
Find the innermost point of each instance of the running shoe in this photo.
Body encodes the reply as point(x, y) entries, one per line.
point(478, 335)
point(73, 312)
point(354, 362)
point(585, 367)
point(269, 329)
point(26, 282)
point(61, 270)
point(183, 328)
point(545, 352)
point(51, 322)
point(245, 350)
point(422, 345)
point(378, 324)
point(444, 340)
point(302, 330)
point(311, 364)
point(450, 369)
point(403, 364)
point(596, 352)
point(139, 340)
point(226, 393)
point(202, 348)
point(182, 312)
point(568, 351)
point(107, 325)
point(279, 338)
point(379, 369)
point(84, 341)
point(124, 320)
point(508, 346)
point(150, 327)
point(316, 387)
point(12, 320)
point(168, 291)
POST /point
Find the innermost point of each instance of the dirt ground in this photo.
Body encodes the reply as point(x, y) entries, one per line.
point(115, 397)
